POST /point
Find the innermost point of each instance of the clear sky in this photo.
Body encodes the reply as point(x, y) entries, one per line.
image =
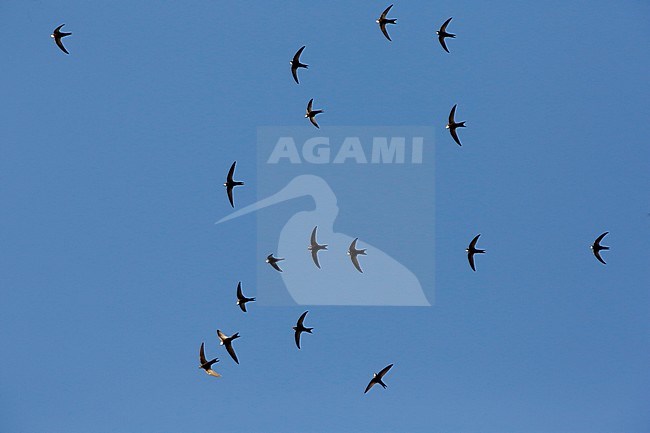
point(113, 272)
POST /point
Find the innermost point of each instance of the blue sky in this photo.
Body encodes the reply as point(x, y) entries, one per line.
point(113, 272)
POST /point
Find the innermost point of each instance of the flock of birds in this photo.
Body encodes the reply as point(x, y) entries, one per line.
point(314, 247)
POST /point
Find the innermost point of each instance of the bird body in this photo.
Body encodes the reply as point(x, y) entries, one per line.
point(241, 299)
point(315, 247)
point(300, 328)
point(273, 261)
point(353, 252)
point(57, 34)
point(227, 341)
point(311, 114)
point(442, 34)
point(205, 364)
point(295, 64)
point(230, 183)
point(471, 250)
point(382, 21)
point(452, 125)
point(596, 247)
point(377, 378)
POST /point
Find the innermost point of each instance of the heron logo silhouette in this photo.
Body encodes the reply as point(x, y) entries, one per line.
point(378, 250)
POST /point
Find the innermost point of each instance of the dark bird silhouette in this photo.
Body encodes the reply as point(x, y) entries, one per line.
point(376, 378)
point(311, 114)
point(273, 261)
point(241, 299)
point(452, 125)
point(227, 341)
point(471, 250)
point(314, 247)
point(295, 64)
point(382, 21)
point(300, 328)
point(57, 34)
point(353, 252)
point(597, 247)
point(442, 34)
point(205, 364)
point(230, 184)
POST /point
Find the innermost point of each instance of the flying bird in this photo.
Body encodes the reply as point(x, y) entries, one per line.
point(273, 261)
point(227, 341)
point(300, 328)
point(471, 250)
point(314, 247)
point(57, 34)
point(241, 299)
point(442, 34)
point(452, 125)
point(382, 21)
point(353, 252)
point(230, 184)
point(597, 248)
point(376, 378)
point(311, 114)
point(295, 64)
point(205, 364)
